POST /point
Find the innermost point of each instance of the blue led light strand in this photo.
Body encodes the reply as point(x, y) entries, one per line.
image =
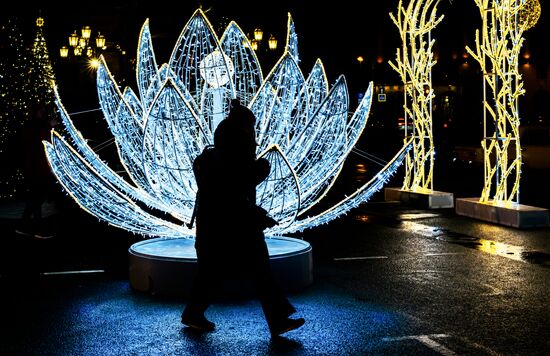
point(303, 129)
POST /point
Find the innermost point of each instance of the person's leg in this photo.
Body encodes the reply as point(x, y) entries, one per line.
point(275, 305)
point(201, 294)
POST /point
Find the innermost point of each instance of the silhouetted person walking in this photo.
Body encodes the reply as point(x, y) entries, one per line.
point(227, 176)
point(37, 175)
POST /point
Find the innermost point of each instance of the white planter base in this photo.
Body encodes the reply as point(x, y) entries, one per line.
point(433, 200)
point(167, 266)
point(517, 215)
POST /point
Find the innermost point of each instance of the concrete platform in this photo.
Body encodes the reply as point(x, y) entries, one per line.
point(517, 215)
point(167, 266)
point(433, 200)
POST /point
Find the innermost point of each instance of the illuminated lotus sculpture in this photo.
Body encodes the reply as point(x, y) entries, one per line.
point(303, 129)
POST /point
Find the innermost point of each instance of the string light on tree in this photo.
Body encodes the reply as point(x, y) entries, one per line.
point(15, 98)
point(414, 64)
point(42, 74)
point(497, 51)
point(529, 14)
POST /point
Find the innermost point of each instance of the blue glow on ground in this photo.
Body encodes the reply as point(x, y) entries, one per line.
point(109, 319)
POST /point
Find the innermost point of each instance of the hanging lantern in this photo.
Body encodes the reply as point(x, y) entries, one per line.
point(64, 52)
point(86, 32)
point(258, 34)
point(272, 42)
point(73, 39)
point(100, 40)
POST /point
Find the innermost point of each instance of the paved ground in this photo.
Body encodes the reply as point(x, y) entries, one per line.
point(388, 280)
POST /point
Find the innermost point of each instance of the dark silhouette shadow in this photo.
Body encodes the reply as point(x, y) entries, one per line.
point(227, 175)
point(38, 178)
point(280, 344)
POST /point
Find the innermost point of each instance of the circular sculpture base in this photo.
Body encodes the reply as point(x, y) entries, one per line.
point(167, 266)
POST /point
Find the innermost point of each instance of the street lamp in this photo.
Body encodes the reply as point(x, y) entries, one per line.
point(258, 37)
point(272, 42)
point(64, 52)
point(254, 44)
point(100, 40)
point(73, 39)
point(82, 44)
point(258, 34)
point(86, 32)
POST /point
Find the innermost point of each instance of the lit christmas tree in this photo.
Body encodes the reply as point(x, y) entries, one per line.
point(26, 77)
point(15, 94)
point(41, 72)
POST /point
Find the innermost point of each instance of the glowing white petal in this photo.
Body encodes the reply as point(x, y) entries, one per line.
point(287, 81)
point(196, 41)
point(125, 127)
point(279, 194)
point(148, 79)
point(97, 196)
point(292, 40)
point(248, 73)
point(361, 195)
point(173, 139)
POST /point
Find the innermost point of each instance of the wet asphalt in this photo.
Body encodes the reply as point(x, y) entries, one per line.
point(388, 280)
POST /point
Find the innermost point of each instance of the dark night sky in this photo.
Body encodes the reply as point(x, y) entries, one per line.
point(336, 32)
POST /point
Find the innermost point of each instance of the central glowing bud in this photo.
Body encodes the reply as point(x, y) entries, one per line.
point(216, 69)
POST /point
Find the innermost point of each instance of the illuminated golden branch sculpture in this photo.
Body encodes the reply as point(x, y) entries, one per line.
point(497, 51)
point(414, 64)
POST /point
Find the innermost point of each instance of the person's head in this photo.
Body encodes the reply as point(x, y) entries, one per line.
point(238, 129)
point(241, 114)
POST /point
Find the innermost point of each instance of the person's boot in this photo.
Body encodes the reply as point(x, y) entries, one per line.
point(285, 325)
point(197, 322)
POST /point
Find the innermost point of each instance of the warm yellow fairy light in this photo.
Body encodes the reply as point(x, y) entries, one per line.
point(529, 13)
point(414, 64)
point(497, 51)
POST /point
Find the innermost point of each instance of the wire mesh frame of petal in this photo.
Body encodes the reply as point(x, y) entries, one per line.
point(147, 73)
point(100, 198)
point(98, 165)
point(173, 139)
point(286, 80)
point(197, 40)
point(248, 74)
point(279, 194)
point(124, 126)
